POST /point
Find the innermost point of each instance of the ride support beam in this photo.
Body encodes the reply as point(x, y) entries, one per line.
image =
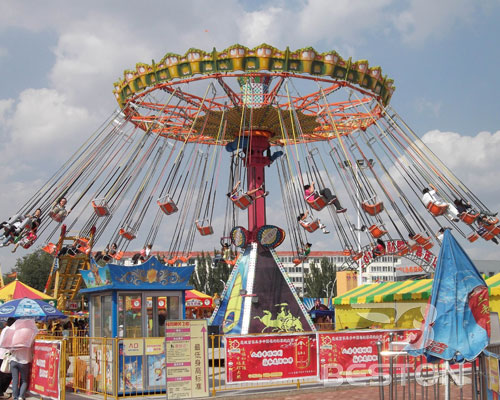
point(256, 160)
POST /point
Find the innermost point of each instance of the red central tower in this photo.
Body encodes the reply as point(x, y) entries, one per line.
point(256, 160)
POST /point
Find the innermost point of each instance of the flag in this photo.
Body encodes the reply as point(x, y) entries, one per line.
point(12, 275)
point(457, 322)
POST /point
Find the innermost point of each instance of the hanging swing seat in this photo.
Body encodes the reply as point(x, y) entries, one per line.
point(167, 205)
point(403, 251)
point(487, 235)
point(372, 208)
point(242, 201)
point(490, 225)
point(311, 226)
point(493, 229)
point(318, 203)
point(56, 217)
point(437, 209)
point(356, 256)
point(421, 239)
point(82, 245)
point(377, 252)
point(376, 231)
point(429, 245)
point(468, 217)
point(50, 248)
point(127, 233)
point(118, 255)
point(230, 262)
point(101, 207)
point(297, 261)
point(473, 237)
point(205, 229)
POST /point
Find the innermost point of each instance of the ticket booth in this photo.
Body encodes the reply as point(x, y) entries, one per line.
point(130, 305)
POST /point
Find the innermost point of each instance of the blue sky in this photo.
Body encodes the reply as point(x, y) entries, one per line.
point(59, 59)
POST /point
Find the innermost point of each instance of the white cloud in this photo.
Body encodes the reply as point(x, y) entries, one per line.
point(424, 106)
point(427, 19)
point(42, 123)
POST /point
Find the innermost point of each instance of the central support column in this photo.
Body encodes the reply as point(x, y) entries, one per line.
point(256, 161)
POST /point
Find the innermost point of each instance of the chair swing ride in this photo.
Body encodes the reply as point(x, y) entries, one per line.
point(315, 118)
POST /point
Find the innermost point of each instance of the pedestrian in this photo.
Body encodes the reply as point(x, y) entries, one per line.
point(20, 364)
point(5, 377)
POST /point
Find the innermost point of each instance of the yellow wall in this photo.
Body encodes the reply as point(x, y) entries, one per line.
point(495, 304)
point(346, 280)
point(407, 315)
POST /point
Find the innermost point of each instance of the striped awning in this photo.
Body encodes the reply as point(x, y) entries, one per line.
point(387, 292)
point(494, 285)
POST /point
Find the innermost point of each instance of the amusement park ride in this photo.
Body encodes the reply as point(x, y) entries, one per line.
point(315, 118)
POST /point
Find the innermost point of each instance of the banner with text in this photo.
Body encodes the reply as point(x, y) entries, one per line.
point(45, 369)
point(269, 357)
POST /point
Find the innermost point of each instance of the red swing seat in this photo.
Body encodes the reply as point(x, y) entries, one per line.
point(429, 245)
point(420, 239)
point(318, 203)
point(403, 251)
point(242, 201)
point(487, 235)
point(468, 217)
point(167, 205)
point(310, 227)
point(473, 237)
point(101, 207)
point(127, 234)
point(372, 208)
point(490, 225)
point(50, 248)
point(56, 217)
point(297, 261)
point(356, 256)
point(376, 232)
point(437, 209)
point(204, 230)
point(118, 256)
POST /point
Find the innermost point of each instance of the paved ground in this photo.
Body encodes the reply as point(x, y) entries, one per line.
point(320, 393)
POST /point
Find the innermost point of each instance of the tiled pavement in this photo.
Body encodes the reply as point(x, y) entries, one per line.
point(322, 393)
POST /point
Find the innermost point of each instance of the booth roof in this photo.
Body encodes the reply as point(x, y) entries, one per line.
point(151, 275)
point(387, 291)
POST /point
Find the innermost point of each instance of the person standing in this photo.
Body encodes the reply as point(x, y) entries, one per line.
point(20, 364)
point(5, 377)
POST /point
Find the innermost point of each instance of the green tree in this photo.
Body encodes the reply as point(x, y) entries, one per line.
point(200, 275)
point(33, 269)
point(207, 277)
point(317, 280)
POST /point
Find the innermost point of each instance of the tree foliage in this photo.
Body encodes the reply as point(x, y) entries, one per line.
point(210, 275)
point(33, 269)
point(317, 280)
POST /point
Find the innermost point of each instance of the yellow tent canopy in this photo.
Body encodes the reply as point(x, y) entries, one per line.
point(18, 290)
point(387, 292)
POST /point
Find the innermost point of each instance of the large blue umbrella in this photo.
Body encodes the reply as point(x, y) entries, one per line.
point(30, 308)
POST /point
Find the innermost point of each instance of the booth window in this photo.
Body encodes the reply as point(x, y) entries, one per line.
point(130, 316)
point(101, 316)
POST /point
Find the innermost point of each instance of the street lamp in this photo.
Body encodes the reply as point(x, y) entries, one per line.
point(328, 284)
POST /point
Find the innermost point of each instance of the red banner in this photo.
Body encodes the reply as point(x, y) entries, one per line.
point(45, 369)
point(353, 354)
point(264, 358)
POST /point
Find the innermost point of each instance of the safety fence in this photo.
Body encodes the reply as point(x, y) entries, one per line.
point(102, 366)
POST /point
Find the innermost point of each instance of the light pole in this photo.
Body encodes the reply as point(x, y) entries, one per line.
point(328, 284)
